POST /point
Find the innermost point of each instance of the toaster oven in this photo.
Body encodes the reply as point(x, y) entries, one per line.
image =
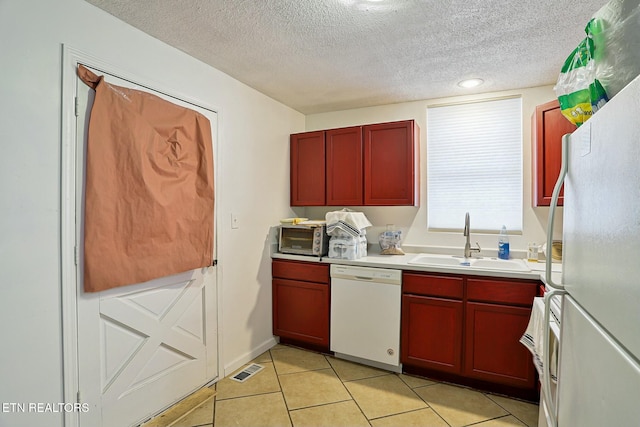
point(303, 240)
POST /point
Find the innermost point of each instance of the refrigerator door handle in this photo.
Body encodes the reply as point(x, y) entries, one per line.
point(551, 401)
point(552, 211)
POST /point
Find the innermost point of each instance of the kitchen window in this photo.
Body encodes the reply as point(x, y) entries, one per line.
point(474, 164)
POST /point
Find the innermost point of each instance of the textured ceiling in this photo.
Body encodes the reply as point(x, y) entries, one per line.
point(327, 55)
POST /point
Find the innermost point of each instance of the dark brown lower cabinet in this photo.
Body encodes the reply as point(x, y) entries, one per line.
point(432, 322)
point(301, 298)
point(467, 329)
point(428, 320)
point(492, 348)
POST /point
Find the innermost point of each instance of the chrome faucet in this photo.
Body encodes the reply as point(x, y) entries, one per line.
point(467, 246)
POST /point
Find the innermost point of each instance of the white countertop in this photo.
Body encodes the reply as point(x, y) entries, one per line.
point(401, 262)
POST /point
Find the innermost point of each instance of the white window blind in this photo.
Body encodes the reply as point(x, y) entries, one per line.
point(474, 164)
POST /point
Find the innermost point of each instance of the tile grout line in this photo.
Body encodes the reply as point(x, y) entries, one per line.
point(286, 405)
point(348, 392)
point(369, 420)
point(327, 358)
point(215, 403)
point(508, 414)
point(323, 404)
point(355, 401)
point(419, 397)
point(508, 411)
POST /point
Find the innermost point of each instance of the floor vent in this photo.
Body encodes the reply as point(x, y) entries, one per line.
point(247, 372)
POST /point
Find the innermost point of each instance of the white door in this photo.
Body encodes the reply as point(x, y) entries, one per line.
point(142, 347)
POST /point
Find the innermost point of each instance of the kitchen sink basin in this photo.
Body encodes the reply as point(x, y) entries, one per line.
point(458, 261)
point(439, 260)
point(501, 264)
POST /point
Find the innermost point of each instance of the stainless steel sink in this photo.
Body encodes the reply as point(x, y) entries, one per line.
point(458, 261)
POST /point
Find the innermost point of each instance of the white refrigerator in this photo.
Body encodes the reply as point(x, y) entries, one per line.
point(599, 356)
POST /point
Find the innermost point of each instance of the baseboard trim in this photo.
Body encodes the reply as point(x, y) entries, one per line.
point(249, 356)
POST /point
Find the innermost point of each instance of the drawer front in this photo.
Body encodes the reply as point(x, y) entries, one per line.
point(502, 291)
point(432, 285)
point(300, 270)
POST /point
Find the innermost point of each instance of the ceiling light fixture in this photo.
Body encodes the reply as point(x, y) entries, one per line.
point(469, 83)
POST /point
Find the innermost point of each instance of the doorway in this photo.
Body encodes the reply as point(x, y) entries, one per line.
point(132, 351)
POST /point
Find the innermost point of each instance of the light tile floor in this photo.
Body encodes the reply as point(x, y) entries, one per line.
point(303, 388)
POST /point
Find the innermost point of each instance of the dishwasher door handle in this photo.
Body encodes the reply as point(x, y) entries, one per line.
point(363, 278)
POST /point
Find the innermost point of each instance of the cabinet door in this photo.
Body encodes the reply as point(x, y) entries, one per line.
point(391, 172)
point(432, 333)
point(548, 126)
point(307, 169)
point(344, 166)
point(492, 346)
point(301, 311)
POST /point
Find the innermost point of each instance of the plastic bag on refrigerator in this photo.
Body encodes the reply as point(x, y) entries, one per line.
point(579, 91)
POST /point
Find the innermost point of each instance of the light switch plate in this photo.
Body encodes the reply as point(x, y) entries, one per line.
point(234, 221)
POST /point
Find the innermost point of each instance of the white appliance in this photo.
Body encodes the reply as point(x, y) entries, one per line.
point(365, 315)
point(599, 366)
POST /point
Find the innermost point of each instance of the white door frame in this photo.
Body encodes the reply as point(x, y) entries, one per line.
point(71, 57)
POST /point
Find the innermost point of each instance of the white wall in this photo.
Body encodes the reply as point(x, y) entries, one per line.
point(413, 221)
point(252, 180)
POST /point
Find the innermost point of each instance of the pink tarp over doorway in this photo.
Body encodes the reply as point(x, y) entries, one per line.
point(149, 188)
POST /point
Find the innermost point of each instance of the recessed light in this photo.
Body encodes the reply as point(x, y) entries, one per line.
point(469, 83)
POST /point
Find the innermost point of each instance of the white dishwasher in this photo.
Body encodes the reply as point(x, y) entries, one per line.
point(365, 315)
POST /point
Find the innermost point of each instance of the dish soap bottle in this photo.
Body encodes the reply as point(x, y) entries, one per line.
point(503, 244)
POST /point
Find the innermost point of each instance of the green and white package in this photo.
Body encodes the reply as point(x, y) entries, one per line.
point(580, 94)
